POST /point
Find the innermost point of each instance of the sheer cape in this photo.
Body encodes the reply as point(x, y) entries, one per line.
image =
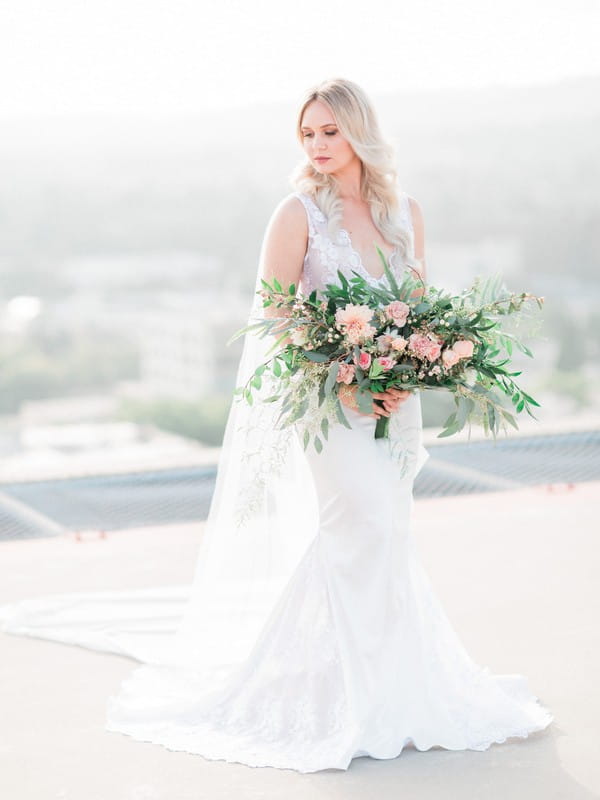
point(262, 518)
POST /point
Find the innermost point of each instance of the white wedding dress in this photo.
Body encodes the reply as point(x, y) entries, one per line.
point(343, 651)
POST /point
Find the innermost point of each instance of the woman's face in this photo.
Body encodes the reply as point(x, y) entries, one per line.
point(325, 146)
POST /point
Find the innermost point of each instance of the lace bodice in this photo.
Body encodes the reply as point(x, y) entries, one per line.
point(324, 256)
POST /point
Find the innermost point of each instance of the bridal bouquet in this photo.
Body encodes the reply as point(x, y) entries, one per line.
point(407, 336)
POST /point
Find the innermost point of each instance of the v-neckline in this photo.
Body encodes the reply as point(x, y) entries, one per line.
point(351, 247)
point(360, 261)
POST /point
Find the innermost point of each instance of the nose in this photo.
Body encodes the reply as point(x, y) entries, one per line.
point(320, 143)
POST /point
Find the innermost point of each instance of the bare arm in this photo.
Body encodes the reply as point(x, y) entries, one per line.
point(284, 247)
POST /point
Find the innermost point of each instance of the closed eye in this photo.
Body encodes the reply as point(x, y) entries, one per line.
point(327, 133)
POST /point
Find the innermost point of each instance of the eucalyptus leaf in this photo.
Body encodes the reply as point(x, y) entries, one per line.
point(451, 420)
point(364, 400)
point(322, 393)
point(510, 418)
point(339, 412)
point(331, 376)
point(448, 431)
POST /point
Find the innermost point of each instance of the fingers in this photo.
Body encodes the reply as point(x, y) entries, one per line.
point(392, 393)
point(379, 410)
point(391, 399)
point(391, 402)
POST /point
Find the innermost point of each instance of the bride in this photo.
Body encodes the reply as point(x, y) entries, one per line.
point(311, 634)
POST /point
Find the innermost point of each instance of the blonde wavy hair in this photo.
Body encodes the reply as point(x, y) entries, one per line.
point(357, 122)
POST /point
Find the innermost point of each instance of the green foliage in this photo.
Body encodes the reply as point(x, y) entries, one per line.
point(59, 364)
point(475, 315)
point(573, 384)
point(202, 420)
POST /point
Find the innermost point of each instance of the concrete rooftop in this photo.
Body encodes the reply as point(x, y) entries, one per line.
point(516, 571)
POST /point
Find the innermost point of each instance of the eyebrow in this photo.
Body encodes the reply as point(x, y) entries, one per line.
point(327, 124)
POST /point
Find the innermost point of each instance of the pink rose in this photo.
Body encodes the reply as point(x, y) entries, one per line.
point(398, 312)
point(449, 357)
point(463, 348)
point(433, 351)
point(425, 346)
point(364, 360)
point(345, 373)
point(385, 362)
point(416, 343)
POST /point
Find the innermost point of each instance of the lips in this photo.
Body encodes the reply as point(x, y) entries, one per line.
point(322, 158)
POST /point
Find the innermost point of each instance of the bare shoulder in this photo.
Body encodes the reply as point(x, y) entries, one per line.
point(285, 242)
point(289, 215)
point(288, 225)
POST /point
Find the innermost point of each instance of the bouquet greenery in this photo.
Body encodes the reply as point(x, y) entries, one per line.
point(408, 336)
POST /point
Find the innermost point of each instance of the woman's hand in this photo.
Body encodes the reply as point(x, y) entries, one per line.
point(391, 399)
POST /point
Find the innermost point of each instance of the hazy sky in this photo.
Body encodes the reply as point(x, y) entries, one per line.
point(168, 56)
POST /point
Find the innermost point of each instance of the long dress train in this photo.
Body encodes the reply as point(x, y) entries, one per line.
point(357, 656)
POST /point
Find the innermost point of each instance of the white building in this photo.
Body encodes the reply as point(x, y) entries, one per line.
point(183, 343)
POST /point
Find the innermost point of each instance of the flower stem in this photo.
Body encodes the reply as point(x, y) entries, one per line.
point(382, 428)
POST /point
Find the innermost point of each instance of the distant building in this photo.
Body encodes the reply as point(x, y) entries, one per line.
point(175, 307)
point(182, 344)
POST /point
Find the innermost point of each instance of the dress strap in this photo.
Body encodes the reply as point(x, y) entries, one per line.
point(313, 212)
point(405, 210)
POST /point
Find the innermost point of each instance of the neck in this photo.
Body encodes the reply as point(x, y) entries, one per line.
point(348, 181)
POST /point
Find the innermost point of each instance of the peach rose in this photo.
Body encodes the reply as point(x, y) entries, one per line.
point(345, 373)
point(399, 344)
point(449, 357)
point(398, 312)
point(353, 321)
point(463, 348)
point(434, 350)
